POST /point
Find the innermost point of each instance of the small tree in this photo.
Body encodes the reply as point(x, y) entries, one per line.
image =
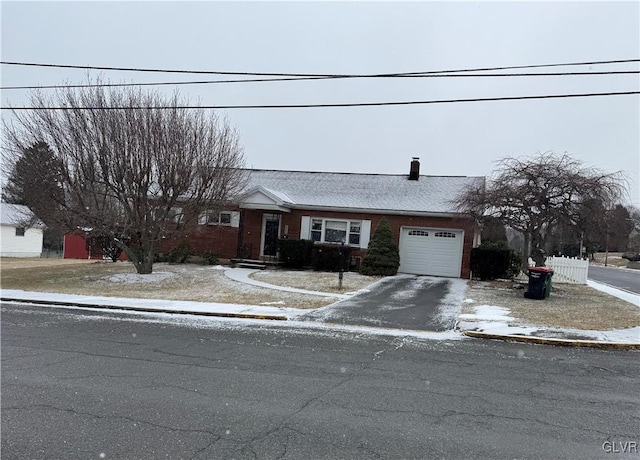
point(382, 257)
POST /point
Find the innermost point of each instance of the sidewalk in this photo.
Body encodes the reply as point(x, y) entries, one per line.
point(493, 326)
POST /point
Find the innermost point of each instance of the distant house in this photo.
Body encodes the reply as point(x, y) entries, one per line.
point(21, 232)
point(332, 208)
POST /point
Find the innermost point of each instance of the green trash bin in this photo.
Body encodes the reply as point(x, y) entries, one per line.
point(547, 286)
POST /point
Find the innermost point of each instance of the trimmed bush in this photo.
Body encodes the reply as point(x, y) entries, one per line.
point(210, 257)
point(181, 253)
point(327, 257)
point(295, 253)
point(382, 257)
point(491, 261)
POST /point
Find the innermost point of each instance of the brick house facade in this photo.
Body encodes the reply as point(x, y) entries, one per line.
point(337, 208)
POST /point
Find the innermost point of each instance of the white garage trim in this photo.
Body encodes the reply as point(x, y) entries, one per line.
point(431, 251)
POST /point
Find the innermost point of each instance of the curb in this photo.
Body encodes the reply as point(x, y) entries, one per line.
point(556, 342)
point(147, 310)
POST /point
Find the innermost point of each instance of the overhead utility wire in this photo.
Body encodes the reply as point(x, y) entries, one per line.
point(262, 80)
point(354, 104)
point(267, 74)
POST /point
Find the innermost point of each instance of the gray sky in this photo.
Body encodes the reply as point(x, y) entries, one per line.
point(363, 38)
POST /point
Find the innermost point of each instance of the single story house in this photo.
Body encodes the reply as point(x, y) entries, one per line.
point(337, 208)
point(21, 233)
point(334, 207)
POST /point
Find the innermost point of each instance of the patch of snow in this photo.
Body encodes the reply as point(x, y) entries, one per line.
point(622, 335)
point(133, 278)
point(468, 301)
point(624, 295)
point(451, 305)
point(279, 302)
point(488, 313)
point(501, 328)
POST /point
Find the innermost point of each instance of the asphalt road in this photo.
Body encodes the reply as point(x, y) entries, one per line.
point(620, 278)
point(91, 385)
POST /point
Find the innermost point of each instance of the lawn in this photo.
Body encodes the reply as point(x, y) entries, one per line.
point(171, 282)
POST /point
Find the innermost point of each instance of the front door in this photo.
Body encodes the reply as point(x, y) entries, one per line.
point(270, 235)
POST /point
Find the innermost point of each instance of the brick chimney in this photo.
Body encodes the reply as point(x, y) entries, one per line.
point(414, 171)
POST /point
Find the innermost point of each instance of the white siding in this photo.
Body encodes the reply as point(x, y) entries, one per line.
point(365, 234)
point(305, 228)
point(235, 219)
point(29, 245)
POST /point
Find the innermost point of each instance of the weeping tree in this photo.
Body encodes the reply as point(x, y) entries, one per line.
point(533, 195)
point(135, 167)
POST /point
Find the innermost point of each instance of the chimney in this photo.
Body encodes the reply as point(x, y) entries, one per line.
point(414, 172)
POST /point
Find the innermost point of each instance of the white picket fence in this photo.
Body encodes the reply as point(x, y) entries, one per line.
point(568, 269)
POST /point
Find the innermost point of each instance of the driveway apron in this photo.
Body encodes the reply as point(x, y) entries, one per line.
point(402, 302)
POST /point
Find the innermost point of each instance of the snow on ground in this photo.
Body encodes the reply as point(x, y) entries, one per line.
point(291, 327)
point(131, 278)
point(495, 320)
point(451, 305)
point(488, 313)
point(624, 295)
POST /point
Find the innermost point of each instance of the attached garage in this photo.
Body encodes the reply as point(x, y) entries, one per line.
point(431, 251)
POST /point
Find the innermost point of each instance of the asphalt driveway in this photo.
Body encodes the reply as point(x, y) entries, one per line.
point(400, 302)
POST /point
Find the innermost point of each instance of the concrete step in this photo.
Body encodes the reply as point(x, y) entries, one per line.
point(255, 265)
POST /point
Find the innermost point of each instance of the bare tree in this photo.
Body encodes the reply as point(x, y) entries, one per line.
point(130, 163)
point(532, 195)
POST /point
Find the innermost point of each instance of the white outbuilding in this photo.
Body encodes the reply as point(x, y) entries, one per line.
point(21, 232)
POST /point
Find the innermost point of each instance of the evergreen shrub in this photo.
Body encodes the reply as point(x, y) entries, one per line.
point(181, 253)
point(491, 261)
point(210, 257)
point(382, 257)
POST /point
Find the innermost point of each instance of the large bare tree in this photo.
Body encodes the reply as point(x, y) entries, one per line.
point(532, 195)
point(132, 165)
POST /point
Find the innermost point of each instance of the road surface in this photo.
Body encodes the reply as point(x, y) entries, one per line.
point(91, 385)
point(628, 280)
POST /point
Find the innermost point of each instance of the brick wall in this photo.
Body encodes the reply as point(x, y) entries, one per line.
point(290, 226)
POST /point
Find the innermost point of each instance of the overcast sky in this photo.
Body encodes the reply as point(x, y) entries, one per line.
point(362, 38)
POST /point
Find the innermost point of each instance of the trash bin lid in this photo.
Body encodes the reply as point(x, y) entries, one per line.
point(540, 269)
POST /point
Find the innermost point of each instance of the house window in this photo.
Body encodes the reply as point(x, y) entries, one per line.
point(336, 231)
point(217, 218)
point(175, 215)
point(19, 231)
point(445, 235)
point(418, 233)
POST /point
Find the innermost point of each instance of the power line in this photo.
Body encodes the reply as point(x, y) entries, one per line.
point(279, 74)
point(262, 80)
point(355, 104)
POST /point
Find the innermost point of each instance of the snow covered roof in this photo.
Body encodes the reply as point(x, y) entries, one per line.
point(17, 215)
point(393, 193)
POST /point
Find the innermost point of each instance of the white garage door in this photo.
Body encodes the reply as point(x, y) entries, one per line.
point(431, 251)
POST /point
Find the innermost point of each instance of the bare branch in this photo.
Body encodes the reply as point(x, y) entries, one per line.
point(146, 174)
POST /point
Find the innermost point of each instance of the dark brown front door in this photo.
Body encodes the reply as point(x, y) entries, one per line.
point(271, 234)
